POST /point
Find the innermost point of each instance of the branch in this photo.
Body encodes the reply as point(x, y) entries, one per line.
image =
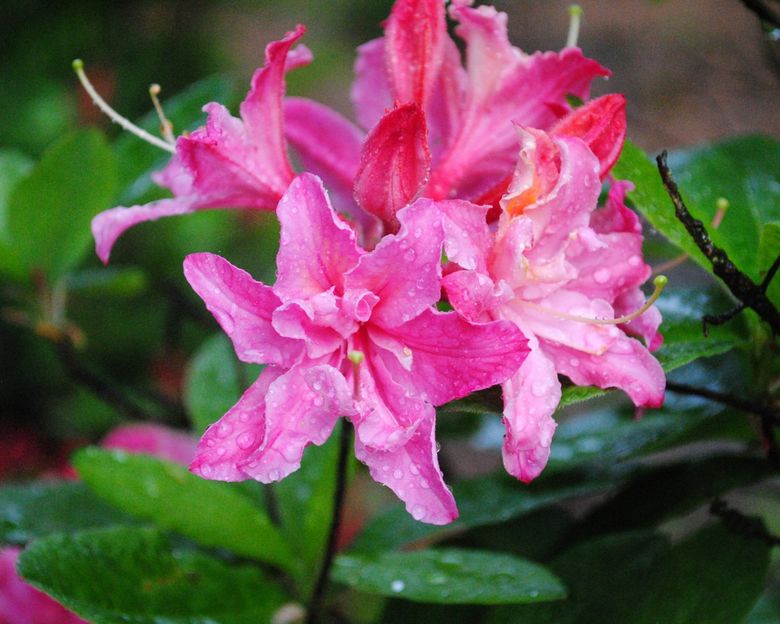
point(747, 292)
point(743, 405)
point(763, 12)
point(740, 524)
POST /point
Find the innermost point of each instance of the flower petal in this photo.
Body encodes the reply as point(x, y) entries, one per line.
point(646, 324)
point(370, 92)
point(404, 270)
point(394, 164)
point(156, 440)
point(475, 295)
point(316, 248)
point(452, 357)
point(412, 472)
point(302, 407)
point(467, 238)
point(530, 399)
point(243, 308)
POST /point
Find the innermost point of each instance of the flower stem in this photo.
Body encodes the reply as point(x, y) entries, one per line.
point(314, 609)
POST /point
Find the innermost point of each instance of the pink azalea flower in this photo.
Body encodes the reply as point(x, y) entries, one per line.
point(351, 333)
point(156, 440)
point(467, 148)
point(21, 603)
point(562, 271)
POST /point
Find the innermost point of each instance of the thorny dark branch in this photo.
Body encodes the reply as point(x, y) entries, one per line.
point(740, 524)
point(763, 12)
point(749, 407)
point(747, 292)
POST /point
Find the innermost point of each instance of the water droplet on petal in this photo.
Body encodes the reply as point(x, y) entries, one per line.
point(398, 473)
point(245, 440)
point(601, 276)
point(418, 512)
point(224, 430)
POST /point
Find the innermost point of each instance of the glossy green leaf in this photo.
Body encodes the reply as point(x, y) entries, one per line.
point(14, 166)
point(450, 575)
point(116, 576)
point(768, 251)
point(41, 508)
point(211, 385)
point(50, 210)
point(210, 512)
point(108, 282)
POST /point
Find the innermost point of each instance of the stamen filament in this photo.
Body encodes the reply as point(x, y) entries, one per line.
point(575, 18)
point(166, 127)
point(659, 283)
point(356, 357)
point(126, 124)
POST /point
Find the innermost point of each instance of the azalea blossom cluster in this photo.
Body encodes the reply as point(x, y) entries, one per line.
point(471, 181)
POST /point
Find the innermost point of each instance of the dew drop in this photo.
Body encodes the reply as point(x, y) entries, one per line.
point(418, 512)
point(574, 362)
point(273, 475)
point(221, 451)
point(634, 261)
point(245, 440)
point(224, 430)
point(398, 473)
point(409, 255)
point(318, 401)
point(397, 585)
point(539, 388)
point(601, 276)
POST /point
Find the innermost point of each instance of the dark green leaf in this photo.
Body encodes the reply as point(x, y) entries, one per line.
point(210, 512)
point(121, 576)
point(450, 575)
point(49, 211)
point(13, 167)
point(768, 251)
point(39, 509)
point(108, 282)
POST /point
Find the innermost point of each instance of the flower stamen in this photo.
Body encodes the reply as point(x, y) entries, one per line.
point(357, 358)
point(166, 127)
point(575, 18)
point(126, 124)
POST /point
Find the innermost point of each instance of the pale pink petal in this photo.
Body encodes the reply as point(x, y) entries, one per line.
point(316, 248)
point(174, 176)
point(243, 307)
point(646, 324)
point(151, 439)
point(452, 357)
point(328, 146)
point(474, 295)
point(302, 407)
point(626, 365)
point(444, 107)
point(601, 123)
point(109, 225)
point(412, 472)
point(319, 322)
point(615, 216)
point(394, 164)
point(414, 45)
point(530, 399)
point(467, 238)
point(404, 270)
point(21, 603)
point(262, 110)
point(514, 238)
point(370, 91)
point(230, 441)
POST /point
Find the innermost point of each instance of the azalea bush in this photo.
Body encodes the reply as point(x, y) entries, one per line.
point(477, 264)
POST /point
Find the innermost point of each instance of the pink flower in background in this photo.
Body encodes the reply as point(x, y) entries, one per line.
point(347, 333)
point(562, 271)
point(156, 440)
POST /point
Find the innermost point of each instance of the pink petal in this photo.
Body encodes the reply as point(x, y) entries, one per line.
point(243, 308)
point(467, 238)
point(156, 440)
point(414, 39)
point(412, 472)
point(328, 146)
point(370, 91)
point(452, 357)
point(530, 399)
point(262, 113)
point(474, 295)
point(404, 269)
point(318, 322)
point(514, 238)
point(601, 123)
point(302, 407)
point(109, 225)
point(615, 216)
point(21, 603)
point(316, 248)
point(230, 441)
point(626, 365)
point(444, 107)
point(646, 325)
point(394, 164)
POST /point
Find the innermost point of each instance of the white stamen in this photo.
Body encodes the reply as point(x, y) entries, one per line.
point(659, 283)
point(166, 127)
point(575, 17)
point(78, 67)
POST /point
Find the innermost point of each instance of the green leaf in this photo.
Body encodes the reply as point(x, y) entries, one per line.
point(450, 575)
point(49, 211)
point(121, 576)
point(211, 385)
point(483, 501)
point(210, 512)
point(108, 282)
point(138, 159)
point(13, 167)
point(768, 250)
point(40, 509)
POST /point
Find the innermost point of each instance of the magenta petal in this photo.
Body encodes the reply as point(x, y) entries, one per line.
point(467, 238)
point(316, 248)
point(626, 365)
point(394, 164)
point(302, 407)
point(530, 399)
point(414, 40)
point(109, 225)
point(370, 91)
point(474, 295)
point(231, 440)
point(318, 322)
point(452, 357)
point(646, 324)
point(404, 270)
point(156, 440)
point(412, 472)
point(243, 308)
